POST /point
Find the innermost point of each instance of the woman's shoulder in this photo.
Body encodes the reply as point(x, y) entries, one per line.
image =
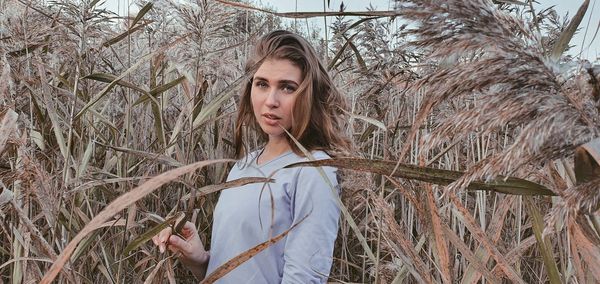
point(315, 155)
point(320, 155)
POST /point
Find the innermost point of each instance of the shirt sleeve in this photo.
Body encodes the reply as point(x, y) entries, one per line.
point(308, 252)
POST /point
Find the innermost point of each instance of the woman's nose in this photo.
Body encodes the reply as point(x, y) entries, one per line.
point(272, 98)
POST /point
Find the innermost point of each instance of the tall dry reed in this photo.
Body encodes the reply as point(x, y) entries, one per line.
point(102, 115)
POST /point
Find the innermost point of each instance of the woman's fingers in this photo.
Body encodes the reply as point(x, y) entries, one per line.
point(188, 230)
point(161, 239)
point(177, 244)
point(186, 245)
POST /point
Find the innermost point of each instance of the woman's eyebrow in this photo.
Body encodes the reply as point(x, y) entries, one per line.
point(280, 81)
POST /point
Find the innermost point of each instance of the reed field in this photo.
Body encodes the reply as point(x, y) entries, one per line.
point(466, 116)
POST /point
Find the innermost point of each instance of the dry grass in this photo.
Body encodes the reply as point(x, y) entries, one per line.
point(103, 118)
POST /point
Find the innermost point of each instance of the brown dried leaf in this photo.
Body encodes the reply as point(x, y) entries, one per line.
point(438, 176)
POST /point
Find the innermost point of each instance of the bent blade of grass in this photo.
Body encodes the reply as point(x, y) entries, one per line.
point(87, 155)
point(165, 87)
point(108, 87)
point(501, 184)
point(233, 183)
point(368, 119)
point(544, 246)
point(339, 53)
point(216, 103)
point(148, 155)
point(238, 260)
point(119, 204)
point(109, 78)
point(79, 101)
point(149, 234)
point(142, 13)
point(95, 183)
point(60, 139)
point(124, 34)
point(359, 58)
point(159, 90)
point(565, 37)
point(24, 259)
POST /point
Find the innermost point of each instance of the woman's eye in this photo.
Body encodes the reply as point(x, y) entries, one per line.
point(289, 89)
point(260, 84)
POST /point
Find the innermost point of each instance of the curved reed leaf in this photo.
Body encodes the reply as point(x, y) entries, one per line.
point(216, 103)
point(109, 78)
point(238, 260)
point(150, 233)
point(159, 90)
point(337, 56)
point(359, 59)
point(142, 13)
point(537, 224)
point(119, 204)
point(565, 37)
point(368, 119)
point(162, 88)
point(501, 184)
point(132, 28)
point(147, 155)
point(212, 188)
point(124, 35)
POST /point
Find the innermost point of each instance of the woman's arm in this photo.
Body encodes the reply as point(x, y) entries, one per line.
point(190, 248)
point(308, 251)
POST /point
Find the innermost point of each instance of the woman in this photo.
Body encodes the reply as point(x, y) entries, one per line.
point(290, 90)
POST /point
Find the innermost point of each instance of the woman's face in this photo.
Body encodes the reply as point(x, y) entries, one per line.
point(273, 94)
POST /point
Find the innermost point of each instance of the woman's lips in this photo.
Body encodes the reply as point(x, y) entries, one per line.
point(271, 119)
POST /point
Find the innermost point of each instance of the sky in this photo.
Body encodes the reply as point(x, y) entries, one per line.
point(589, 25)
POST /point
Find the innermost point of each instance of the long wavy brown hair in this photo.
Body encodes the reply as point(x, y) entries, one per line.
point(316, 117)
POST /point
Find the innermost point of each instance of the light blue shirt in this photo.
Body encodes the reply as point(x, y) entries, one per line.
point(252, 214)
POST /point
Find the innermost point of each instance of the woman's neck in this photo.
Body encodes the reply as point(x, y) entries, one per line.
point(273, 148)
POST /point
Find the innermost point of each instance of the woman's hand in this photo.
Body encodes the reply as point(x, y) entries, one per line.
point(190, 248)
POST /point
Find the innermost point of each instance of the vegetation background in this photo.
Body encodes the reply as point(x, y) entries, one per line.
point(110, 123)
